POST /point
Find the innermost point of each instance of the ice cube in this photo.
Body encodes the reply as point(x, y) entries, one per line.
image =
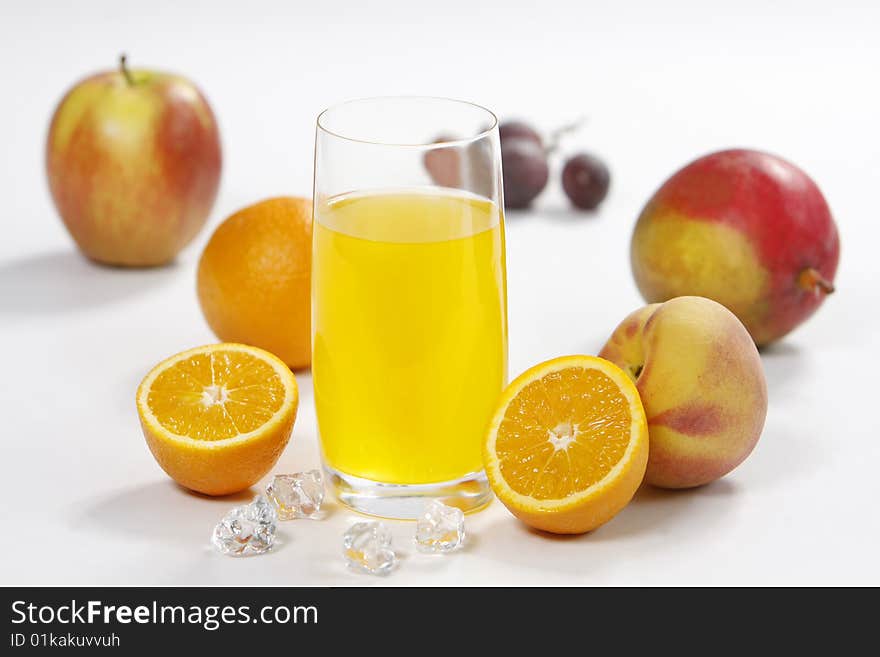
point(297, 495)
point(247, 529)
point(440, 528)
point(367, 548)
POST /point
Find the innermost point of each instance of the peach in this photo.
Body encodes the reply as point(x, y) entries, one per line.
point(702, 384)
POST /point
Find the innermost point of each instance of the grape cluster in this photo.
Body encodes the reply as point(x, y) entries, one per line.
point(524, 162)
point(525, 171)
point(525, 168)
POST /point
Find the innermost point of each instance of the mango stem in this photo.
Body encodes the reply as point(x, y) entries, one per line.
point(811, 280)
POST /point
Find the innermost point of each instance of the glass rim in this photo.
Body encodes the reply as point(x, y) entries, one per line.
point(443, 143)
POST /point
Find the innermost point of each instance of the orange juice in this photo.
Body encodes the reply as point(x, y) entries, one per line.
point(409, 332)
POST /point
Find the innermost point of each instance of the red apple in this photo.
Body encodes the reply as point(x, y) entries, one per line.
point(747, 229)
point(133, 161)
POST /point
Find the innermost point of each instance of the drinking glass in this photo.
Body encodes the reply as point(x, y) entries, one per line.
point(409, 302)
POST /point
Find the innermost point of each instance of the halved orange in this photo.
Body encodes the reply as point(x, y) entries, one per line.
point(568, 444)
point(217, 417)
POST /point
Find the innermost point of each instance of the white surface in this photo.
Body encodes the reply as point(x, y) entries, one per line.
point(83, 500)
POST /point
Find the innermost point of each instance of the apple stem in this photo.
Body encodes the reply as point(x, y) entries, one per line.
point(810, 279)
point(123, 66)
point(555, 137)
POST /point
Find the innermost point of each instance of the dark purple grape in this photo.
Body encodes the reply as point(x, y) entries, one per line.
point(518, 130)
point(479, 175)
point(585, 180)
point(444, 164)
point(525, 169)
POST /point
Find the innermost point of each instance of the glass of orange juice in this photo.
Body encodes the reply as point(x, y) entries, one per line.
point(409, 303)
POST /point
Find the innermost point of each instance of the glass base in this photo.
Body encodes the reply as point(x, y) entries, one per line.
point(407, 501)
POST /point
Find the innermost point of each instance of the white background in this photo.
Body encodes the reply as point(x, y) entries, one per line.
point(83, 502)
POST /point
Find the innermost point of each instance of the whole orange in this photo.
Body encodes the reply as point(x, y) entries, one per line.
point(254, 278)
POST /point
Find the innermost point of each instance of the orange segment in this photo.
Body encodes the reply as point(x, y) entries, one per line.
point(568, 445)
point(217, 417)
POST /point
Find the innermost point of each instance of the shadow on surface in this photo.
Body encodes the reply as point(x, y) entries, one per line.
point(511, 214)
point(653, 515)
point(61, 281)
point(785, 452)
point(563, 214)
point(161, 510)
point(784, 364)
point(566, 214)
point(654, 508)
